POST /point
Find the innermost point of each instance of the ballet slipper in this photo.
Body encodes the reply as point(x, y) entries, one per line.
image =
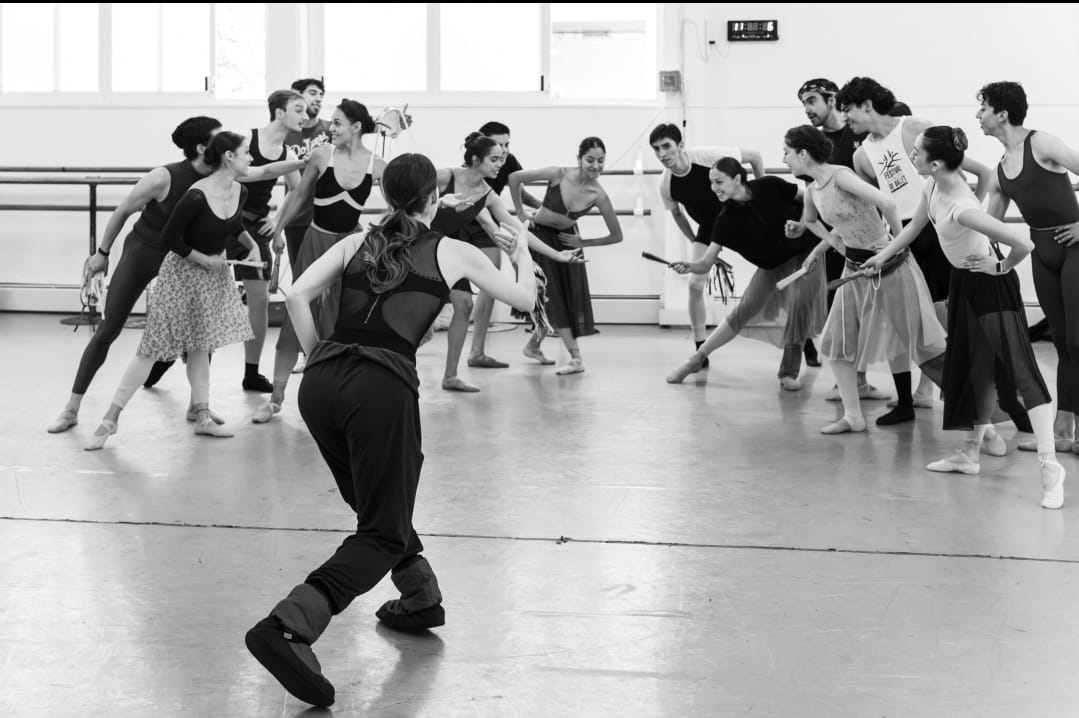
point(65, 421)
point(691, 366)
point(207, 427)
point(485, 362)
point(1052, 483)
point(265, 412)
point(790, 383)
point(575, 366)
point(532, 351)
point(104, 431)
point(192, 416)
point(845, 425)
point(456, 383)
point(958, 463)
point(993, 443)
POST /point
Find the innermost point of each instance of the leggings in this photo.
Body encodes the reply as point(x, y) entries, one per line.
point(1056, 282)
point(366, 423)
point(138, 265)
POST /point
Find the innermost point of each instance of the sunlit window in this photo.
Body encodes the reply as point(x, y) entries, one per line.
point(240, 49)
point(376, 47)
point(49, 47)
point(485, 51)
point(603, 50)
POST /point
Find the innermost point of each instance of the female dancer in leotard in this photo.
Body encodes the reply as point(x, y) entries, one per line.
point(569, 302)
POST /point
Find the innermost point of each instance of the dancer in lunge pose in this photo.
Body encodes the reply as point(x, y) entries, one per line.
point(989, 350)
point(359, 400)
point(753, 223)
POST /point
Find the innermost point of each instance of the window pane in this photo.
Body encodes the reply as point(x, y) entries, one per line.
point(160, 47)
point(240, 46)
point(603, 51)
point(77, 41)
point(376, 47)
point(27, 58)
point(482, 51)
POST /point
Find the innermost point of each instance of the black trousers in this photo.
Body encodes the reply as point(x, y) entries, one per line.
point(366, 422)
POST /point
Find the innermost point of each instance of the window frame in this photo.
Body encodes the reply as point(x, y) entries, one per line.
point(303, 24)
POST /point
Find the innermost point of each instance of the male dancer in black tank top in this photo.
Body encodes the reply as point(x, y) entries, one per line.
point(1034, 173)
point(288, 110)
point(314, 133)
point(818, 100)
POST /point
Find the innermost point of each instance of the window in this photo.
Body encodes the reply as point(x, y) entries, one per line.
point(160, 47)
point(482, 51)
point(603, 51)
point(59, 55)
point(240, 51)
point(154, 47)
point(376, 48)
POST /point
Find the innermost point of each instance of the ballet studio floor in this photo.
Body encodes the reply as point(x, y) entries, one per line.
point(607, 545)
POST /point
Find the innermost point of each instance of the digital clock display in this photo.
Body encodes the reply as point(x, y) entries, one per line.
point(749, 30)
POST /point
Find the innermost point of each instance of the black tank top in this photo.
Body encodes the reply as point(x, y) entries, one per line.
point(1044, 198)
point(396, 319)
point(451, 221)
point(156, 214)
point(338, 210)
point(258, 193)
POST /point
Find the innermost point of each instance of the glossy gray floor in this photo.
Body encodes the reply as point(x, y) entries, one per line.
point(607, 545)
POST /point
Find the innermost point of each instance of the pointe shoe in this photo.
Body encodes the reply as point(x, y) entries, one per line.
point(691, 366)
point(1052, 484)
point(1062, 444)
point(958, 463)
point(532, 351)
point(97, 441)
point(993, 443)
point(575, 366)
point(265, 412)
point(456, 383)
point(790, 383)
point(192, 415)
point(207, 427)
point(845, 425)
point(65, 421)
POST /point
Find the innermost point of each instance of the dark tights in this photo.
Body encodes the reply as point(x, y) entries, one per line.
point(1056, 282)
point(138, 265)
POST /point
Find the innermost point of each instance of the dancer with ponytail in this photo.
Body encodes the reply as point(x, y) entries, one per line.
point(989, 349)
point(360, 402)
point(196, 308)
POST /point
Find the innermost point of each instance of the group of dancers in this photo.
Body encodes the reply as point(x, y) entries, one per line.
point(923, 278)
point(881, 209)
